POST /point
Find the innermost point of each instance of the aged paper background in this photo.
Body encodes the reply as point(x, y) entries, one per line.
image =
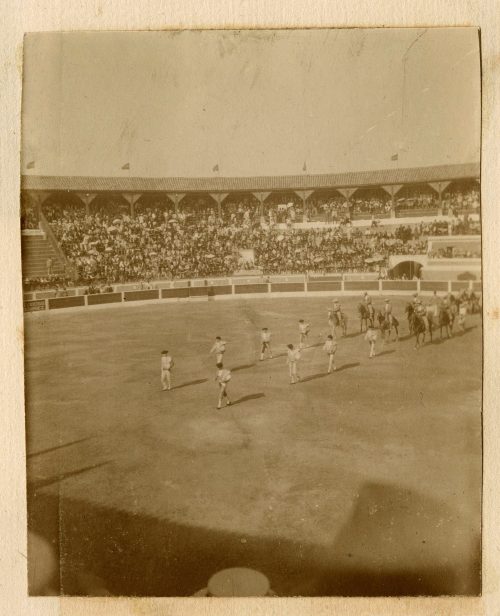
point(20, 17)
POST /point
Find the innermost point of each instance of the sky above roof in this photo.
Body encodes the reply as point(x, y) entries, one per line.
point(249, 103)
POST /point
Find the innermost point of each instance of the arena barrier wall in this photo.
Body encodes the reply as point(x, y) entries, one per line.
point(282, 287)
point(66, 302)
point(361, 285)
point(433, 285)
point(324, 286)
point(251, 288)
point(316, 286)
point(198, 291)
point(220, 290)
point(104, 298)
point(459, 285)
point(400, 285)
point(174, 293)
point(34, 305)
point(135, 296)
point(326, 278)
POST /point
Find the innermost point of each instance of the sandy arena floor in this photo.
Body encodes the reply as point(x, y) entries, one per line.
point(363, 482)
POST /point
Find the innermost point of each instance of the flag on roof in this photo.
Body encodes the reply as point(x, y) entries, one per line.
point(30, 165)
point(126, 166)
point(215, 168)
point(395, 157)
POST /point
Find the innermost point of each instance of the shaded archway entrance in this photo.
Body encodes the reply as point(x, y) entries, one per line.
point(406, 270)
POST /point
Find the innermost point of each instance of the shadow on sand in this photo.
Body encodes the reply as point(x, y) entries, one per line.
point(248, 398)
point(189, 383)
point(242, 367)
point(393, 543)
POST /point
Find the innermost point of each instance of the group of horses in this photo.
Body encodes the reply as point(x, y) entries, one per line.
point(368, 316)
point(419, 325)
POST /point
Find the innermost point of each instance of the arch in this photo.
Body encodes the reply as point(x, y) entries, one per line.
point(326, 204)
point(462, 196)
point(416, 197)
point(109, 204)
point(198, 203)
point(57, 203)
point(408, 269)
point(237, 203)
point(370, 201)
point(154, 202)
point(276, 199)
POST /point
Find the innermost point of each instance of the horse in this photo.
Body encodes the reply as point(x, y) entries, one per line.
point(410, 311)
point(387, 323)
point(445, 321)
point(417, 328)
point(364, 317)
point(453, 312)
point(340, 320)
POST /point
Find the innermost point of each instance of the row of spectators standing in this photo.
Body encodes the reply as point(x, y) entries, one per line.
point(290, 209)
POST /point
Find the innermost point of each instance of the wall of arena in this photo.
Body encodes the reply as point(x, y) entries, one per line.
point(228, 288)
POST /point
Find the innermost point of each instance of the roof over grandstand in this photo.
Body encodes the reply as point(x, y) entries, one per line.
point(415, 175)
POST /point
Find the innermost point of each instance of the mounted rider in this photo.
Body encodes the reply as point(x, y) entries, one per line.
point(367, 300)
point(336, 311)
point(434, 306)
point(421, 312)
point(388, 312)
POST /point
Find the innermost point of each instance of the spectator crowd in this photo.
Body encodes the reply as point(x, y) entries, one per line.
point(106, 244)
point(162, 244)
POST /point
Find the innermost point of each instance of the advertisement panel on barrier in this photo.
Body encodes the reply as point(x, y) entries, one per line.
point(34, 305)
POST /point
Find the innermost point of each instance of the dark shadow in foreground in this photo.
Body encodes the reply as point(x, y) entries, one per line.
point(247, 398)
point(189, 383)
point(395, 542)
point(348, 366)
point(243, 367)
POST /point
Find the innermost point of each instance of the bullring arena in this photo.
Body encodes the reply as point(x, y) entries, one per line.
point(363, 481)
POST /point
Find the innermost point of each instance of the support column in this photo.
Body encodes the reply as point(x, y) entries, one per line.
point(440, 187)
point(87, 199)
point(38, 198)
point(347, 193)
point(393, 189)
point(132, 199)
point(304, 195)
point(176, 198)
point(261, 196)
point(219, 197)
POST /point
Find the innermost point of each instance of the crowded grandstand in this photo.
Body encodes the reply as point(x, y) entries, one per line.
point(109, 237)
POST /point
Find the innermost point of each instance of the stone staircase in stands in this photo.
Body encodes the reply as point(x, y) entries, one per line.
point(36, 249)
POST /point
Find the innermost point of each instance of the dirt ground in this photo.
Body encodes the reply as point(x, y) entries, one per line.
point(366, 481)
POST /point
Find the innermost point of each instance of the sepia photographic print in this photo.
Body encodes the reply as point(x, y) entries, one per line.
point(252, 290)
